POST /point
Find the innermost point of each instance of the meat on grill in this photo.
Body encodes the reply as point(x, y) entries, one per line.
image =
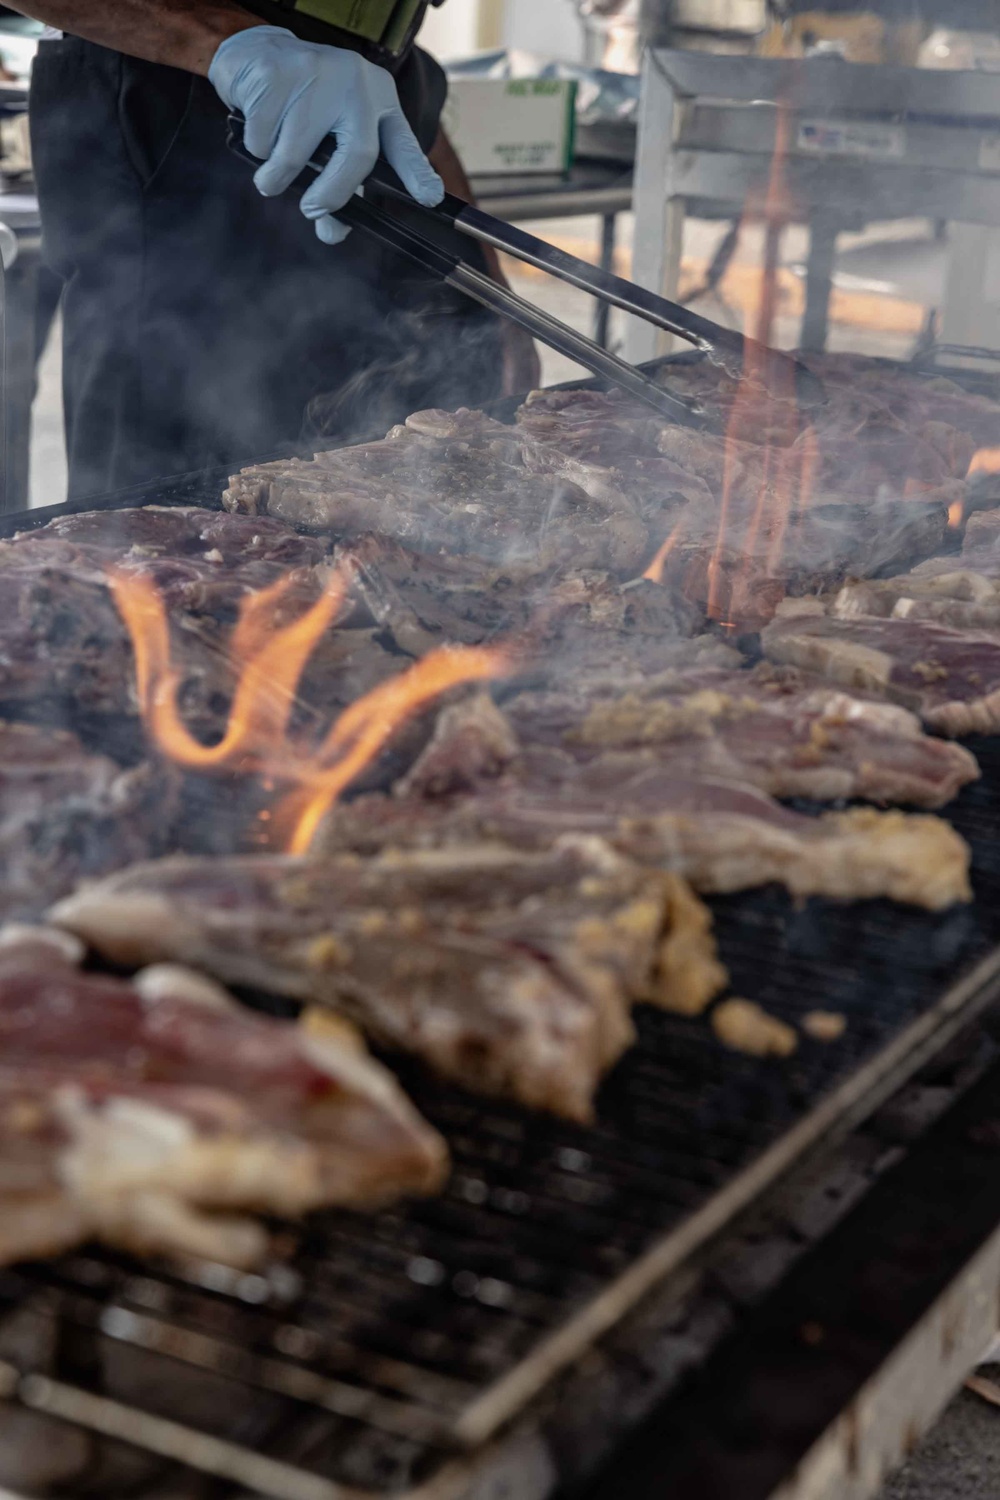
point(878, 429)
point(455, 483)
point(719, 835)
point(742, 568)
point(620, 438)
point(511, 973)
point(66, 653)
point(950, 677)
point(64, 642)
point(953, 592)
point(157, 1114)
point(792, 522)
point(66, 814)
point(787, 734)
point(913, 398)
point(423, 602)
point(982, 532)
point(854, 446)
point(203, 561)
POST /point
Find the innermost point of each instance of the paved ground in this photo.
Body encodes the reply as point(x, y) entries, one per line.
point(958, 1460)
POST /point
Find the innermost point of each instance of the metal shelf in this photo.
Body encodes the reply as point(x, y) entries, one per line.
point(864, 144)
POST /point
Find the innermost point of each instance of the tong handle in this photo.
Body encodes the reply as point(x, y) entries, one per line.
point(360, 213)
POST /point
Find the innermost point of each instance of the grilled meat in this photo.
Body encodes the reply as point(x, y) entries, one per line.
point(509, 972)
point(982, 532)
point(455, 483)
point(951, 678)
point(621, 439)
point(156, 1114)
point(425, 602)
point(743, 568)
point(879, 429)
point(789, 735)
point(66, 814)
point(913, 398)
point(66, 653)
point(950, 592)
point(64, 641)
point(181, 531)
point(202, 561)
point(719, 835)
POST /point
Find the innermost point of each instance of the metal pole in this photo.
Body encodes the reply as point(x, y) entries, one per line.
point(603, 313)
point(823, 231)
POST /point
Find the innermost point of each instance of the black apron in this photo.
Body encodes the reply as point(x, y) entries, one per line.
point(204, 324)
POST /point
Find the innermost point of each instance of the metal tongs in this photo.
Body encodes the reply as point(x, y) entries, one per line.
point(426, 236)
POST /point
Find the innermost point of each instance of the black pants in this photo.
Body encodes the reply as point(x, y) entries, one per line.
point(204, 324)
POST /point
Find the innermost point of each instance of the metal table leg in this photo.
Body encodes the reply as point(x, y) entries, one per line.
point(609, 224)
point(823, 231)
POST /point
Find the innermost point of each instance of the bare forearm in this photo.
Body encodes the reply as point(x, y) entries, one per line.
point(181, 33)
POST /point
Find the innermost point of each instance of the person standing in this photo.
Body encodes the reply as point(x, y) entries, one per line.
point(205, 308)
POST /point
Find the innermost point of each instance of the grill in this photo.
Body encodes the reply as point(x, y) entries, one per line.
point(410, 1352)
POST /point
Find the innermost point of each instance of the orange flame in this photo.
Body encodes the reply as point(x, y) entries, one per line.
point(655, 570)
point(270, 662)
point(788, 468)
point(273, 661)
point(956, 513)
point(365, 725)
point(985, 461)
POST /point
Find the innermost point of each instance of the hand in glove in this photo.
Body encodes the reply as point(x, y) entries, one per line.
point(293, 93)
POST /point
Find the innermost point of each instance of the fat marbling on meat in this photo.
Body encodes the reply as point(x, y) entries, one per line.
point(950, 677)
point(157, 1114)
point(510, 972)
point(781, 731)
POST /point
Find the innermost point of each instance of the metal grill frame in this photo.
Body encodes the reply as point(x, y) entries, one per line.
point(476, 1435)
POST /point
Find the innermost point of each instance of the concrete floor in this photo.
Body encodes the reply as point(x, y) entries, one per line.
point(958, 1460)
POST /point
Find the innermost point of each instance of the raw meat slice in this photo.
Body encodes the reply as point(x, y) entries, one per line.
point(66, 814)
point(786, 734)
point(455, 483)
point(155, 1115)
point(510, 972)
point(719, 835)
point(951, 678)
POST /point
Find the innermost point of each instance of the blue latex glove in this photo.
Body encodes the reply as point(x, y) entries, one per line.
point(293, 93)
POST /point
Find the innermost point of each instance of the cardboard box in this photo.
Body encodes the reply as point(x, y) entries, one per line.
point(512, 124)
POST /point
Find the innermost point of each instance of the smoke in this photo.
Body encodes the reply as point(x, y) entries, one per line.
point(428, 347)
